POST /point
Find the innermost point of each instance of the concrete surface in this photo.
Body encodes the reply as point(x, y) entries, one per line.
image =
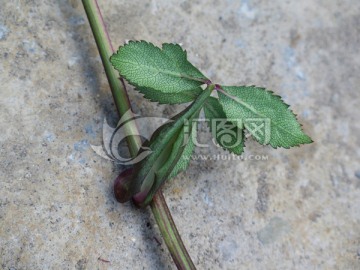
point(299, 209)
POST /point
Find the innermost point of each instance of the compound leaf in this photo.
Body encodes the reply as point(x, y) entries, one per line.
point(263, 114)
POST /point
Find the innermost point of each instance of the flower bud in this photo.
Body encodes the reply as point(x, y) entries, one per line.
point(122, 185)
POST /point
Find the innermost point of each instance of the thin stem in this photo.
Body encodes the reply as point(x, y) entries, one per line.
point(117, 86)
point(158, 206)
point(166, 223)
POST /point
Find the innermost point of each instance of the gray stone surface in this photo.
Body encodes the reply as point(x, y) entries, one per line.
point(299, 209)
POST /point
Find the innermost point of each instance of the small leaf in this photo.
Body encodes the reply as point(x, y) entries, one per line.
point(161, 145)
point(156, 72)
point(185, 158)
point(226, 133)
point(263, 114)
point(167, 145)
point(165, 156)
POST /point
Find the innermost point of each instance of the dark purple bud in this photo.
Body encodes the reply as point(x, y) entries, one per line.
point(140, 198)
point(122, 186)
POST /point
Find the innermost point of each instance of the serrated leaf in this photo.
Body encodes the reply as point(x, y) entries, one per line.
point(264, 115)
point(155, 72)
point(226, 133)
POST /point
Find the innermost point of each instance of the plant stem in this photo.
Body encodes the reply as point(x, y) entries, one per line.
point(166, 223)
point(117, 86)
point(158, 205)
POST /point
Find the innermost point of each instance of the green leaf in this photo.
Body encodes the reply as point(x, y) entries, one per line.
point(176, 154)
point(263, 114)
point(156, 72)
point(167, 146)
point(166, 98)
point(184, 160)
point(226, 133)
point(152, 172)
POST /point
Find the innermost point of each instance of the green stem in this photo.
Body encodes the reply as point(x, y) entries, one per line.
point(117, 86)
point(158, 206)
point(166, 224)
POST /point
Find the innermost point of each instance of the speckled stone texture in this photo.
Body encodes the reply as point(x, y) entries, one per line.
point(294, 209)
